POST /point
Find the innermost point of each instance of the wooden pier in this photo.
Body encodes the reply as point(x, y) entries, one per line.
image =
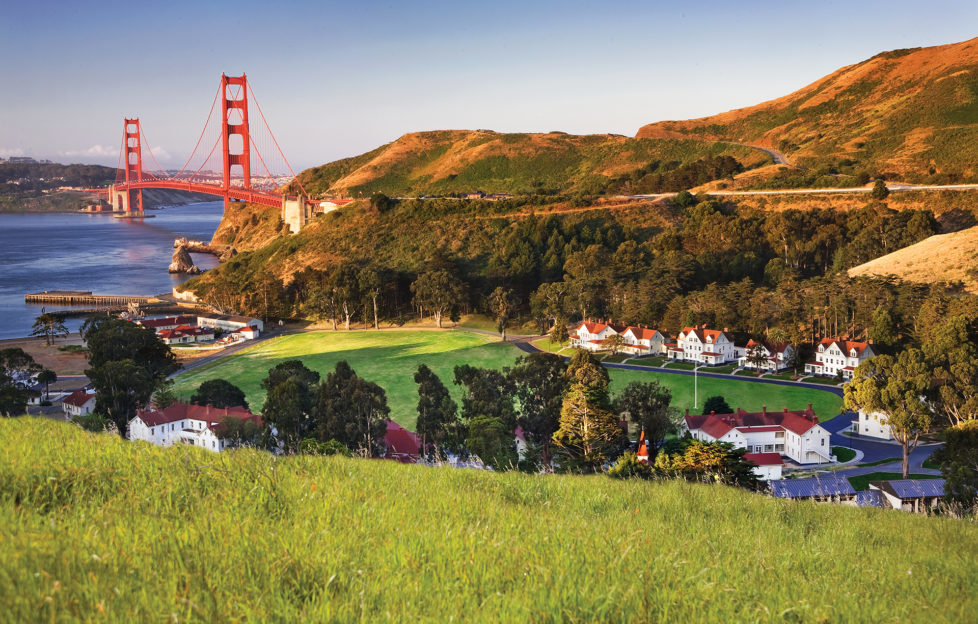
point(84, 297)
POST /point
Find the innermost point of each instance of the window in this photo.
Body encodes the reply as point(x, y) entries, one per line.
point(779, 434)
point(768, 448)
point(152, 431)
point(823, 441)
point(779, 448)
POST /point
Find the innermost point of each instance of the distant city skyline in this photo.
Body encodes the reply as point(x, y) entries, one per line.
point(338, 79)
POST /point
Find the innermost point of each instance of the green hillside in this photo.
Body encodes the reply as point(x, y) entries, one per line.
point(96, 529)
point(910, 114)
point(460, 161)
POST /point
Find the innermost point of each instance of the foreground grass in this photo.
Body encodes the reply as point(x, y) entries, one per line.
point(94, 528)
point(390, 359)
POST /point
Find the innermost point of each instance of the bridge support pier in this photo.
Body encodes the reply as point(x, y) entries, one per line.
point(297, 213)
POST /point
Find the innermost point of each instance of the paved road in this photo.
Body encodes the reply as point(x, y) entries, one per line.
point(876, 450)
point(858, 189)
point(779, 158)
point(225, 352)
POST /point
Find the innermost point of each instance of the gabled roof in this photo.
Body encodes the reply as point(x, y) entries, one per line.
point(167, 321)
point(213, 416)
point(78, 398)
point(704, 334)
point(402, 445)
point(641, 333)
point(797, 422)
point(596, 328)
point(847, 345)
point(912, 488)
point(772, 347)
point(765, 459)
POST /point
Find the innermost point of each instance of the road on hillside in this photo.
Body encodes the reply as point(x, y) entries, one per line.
point(818, 191)
point(779, 158)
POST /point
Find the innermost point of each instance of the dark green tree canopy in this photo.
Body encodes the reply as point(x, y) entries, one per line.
point(647, 405)
point(716, 404)
point(351, 411)
point(17, 370)
point(110, 339)
point(219, 393)
point(438, 422)
point(541, 382)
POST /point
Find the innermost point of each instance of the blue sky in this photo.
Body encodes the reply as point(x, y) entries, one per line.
point(336, 79)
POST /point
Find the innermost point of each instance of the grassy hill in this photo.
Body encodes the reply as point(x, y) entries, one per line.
point(459, 161)
point(390, 358)
point(910, 113)
point(96, 529)
point(940, 258)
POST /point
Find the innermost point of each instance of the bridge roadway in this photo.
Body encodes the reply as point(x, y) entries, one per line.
point(262, 198)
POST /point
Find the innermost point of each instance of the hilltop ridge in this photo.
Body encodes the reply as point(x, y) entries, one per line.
point(910, 114)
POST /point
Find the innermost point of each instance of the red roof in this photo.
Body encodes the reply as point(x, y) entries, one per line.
point(213, 416)
point(718, 425)
point(703, 334)
point(597, 328)
point(772, 347)
point(168, 321)
point(760, 429)
point(402, 445)
point(78, 398)
point(642, 333)
point(765, 459)
point(846, 345)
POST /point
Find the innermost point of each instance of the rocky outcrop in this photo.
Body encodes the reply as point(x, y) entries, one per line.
point(183, 263)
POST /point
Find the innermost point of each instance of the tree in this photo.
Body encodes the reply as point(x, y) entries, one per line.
point(438, 291)
point(647, 405)
point(585, 370)
point(588, 432)
point(716, 405)
point(47, 377)
point(289, 401)
point(239, 431)
point(958, 459)
point(757, 357)
point(708, 462)
point(489, 440)
point(614, 342)
point(488, 403)
point(502, 303)
point(558, 333)
point(346, 287)
point(541, 382)
point(219, 393)
point(438, 422)
point(883, 331)
point(49, 325)
point(17, 372)
point(894, 387)
point(880, 191)
point(373, 280)
point(351, 411)
point(953, 354)
point(121, 388)
point(163, 396)
point(127, 363)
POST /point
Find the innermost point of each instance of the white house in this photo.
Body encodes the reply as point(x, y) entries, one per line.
point(185, 423)
point(834, 356)
point(643, 341)
point(185, 334)
point(592, 335)
point(794, 434)
point(229, 323)
point(705, 346)
point(79, 403)
point(778, 355)
point(767, 466)
point(872, 425)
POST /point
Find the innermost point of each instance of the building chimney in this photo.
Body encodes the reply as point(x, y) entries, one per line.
point(764, 410)
point(725, 330)
point(687, 412)
point(713, 413)
point(870, 341)
point(810, 408)
point(786, 411)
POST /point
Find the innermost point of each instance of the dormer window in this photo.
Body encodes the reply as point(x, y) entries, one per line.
point(852, 353)
point(821, 348)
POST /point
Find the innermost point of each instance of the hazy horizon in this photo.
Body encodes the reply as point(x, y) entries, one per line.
point(336, 79)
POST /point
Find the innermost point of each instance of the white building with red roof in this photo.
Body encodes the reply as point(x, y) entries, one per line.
point(167, 322)
point(185, 334)
point(835, 355)
point(79, 403)
point(767, 466)
point(704, 346)
point(186, 423)
point(591, 335)
point(778, 355)
point(643, 341)
point(794, 434)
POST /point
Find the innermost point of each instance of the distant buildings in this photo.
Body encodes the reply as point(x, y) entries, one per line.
point(777, 356)
point(640, 340)
point(77, 404)
point(871, 424)
point(704, 346)
point(185, 423)
point(203, 328)
point(835, 356)
point(794, 434)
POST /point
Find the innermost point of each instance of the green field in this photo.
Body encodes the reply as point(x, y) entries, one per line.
point(387, 358)
point(93, 528)
point(390, 358)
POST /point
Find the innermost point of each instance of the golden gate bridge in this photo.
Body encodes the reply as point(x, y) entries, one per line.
point(231, 141)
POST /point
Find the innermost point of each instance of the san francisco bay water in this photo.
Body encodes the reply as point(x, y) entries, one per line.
point(59, 251)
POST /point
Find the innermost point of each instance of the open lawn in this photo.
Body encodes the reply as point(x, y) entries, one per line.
point(861, 482)
point(680, 365)
point(842, 453)
point(96, 529)
point(387, 358)
point(747, 395)
point(390, 358)
point(544, 344)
